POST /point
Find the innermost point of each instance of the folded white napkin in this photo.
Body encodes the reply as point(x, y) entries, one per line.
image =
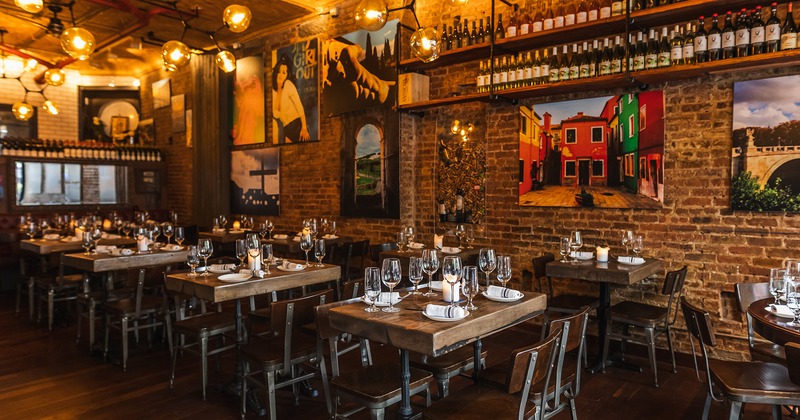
point(329, 236)
point(292, 266)
point(416, 245)
point(503, 292)
point(280, 236)
point(296, 239)
point(221, 267)
point(70, 239)
point(443, 311)
point(631, 260)
point(386, 297)
point(582, 255)
point(782, 310)
point(52, 237)
point(122, 251)
point(172, 247)
point(110, 236)
point(105, 249)
point(255, 273)
point(451, 250)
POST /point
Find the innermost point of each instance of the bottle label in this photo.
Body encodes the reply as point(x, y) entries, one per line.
point(743, 37)
point(496, 78)
point(616, 8)
point(757, 35)
point(520, 74)
point(549, 24)
point(479, 80)
point(592, 70)
point(537, 26)
point(676, 54)
point(651, 61)
point(728, 40)
point(524, 29)
point(688, 51)
point(511, 31)
point(773, 32)
point(593, 15)
point(714, 42)
point(581, 17)
point(553, 75)
point(574, 72)
point(531, 72)
point(569, 19)
point(544, 71)
point(616, 65)
point(511, 76)
point(701, 44)
point(558, 22)
point(584, 72)
point(605, 68)
point(503, 77)
point(605, 12)
point(563, 73)
point(663, 59)
point(789, 41)
point(638, 62)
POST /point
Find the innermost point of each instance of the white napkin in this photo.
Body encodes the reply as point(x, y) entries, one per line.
point(110, 236)
point(280, 236)
point(70, 239)
point(416, 245)
point(221, 267)
point(631, 260)
point(451, 250)
point(782, 310)
point(255, 273)
point(218, 230)
point(329, 236)
point(443, 311)
point(585, 255)
point(503, 292)
point(52, 237)
point(296, 239)
point(105, 249)
point(386, 297)
point(122, 251)
point(292, 266)
point(437, 241)
point(172, 247)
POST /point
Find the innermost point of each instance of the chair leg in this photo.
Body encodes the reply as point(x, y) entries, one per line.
point(376, 413)
point(270, 380)
point(124, 329)
point(651, 347)
point(105, 345)
point(546, 317)
point(366, 353)
point(443, 385)
point(19, 293)
point(243, 408)
point(707, 407)
point(605, 346)
point(671, 349)
point(78, 332)
point(31, 295)
point(776, 412)
point(573, 411)
point(51, 296)
point(736, 410)
point(172, 371)
point(92, 314)
point(204, 361)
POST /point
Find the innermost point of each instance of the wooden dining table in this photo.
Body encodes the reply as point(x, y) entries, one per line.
point(224, 236)
point(608, 273)
point(47, 246)
point(409, 330)
point(772, 327)
point(289, 246)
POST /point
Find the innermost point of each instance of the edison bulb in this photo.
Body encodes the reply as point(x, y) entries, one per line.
point(22, 111)
point(237, 17)
point(30, 6)
point(371, 14)
point(50, 107)
point(226, 61)
point(78, 43)
point(175, 54)
point(30, 64)
point(54, 77)
point(426, 44)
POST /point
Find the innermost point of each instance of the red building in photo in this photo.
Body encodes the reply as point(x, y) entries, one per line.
point(584, 151)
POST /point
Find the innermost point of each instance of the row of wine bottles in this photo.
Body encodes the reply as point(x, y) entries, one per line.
point(684, 44)
point(64, 149)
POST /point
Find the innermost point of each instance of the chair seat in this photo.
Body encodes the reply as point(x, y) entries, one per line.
point(569, 304)
point(68, 281)
point(754, 382)
point(455, 362)
point(268, 353)
point(128, 306)
point(768, 352)
point(377, 384)
point(477, 402)
point(495, 377)
point(639, 314)
point(211, 323)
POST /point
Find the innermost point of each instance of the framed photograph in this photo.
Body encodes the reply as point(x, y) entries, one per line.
point(248, 105)
point(147, 132)
point(119, 127)
point(178, 113)
point(295, 93)
point(147, 181)
point(161, 93)
point(256, 181)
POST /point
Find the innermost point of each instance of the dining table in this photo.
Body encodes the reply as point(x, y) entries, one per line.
point(606, 274)
point(290, 245)
point(467, 255)
point(410, 330)
point(770, 326)
point(68, 244)
point(223, 236)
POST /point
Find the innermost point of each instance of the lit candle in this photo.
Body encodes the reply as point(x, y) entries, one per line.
point(106, 224)
point(602, 253)
point(254, 263)
point(450, 293)
point(79, 233)
point(141, 244)
point(236, 225)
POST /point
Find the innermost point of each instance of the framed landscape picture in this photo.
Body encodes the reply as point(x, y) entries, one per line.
point(256, 181)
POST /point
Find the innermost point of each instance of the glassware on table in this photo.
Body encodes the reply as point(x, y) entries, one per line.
point(333, 227)
point(126, 229)
point(266, 256)
point(410, 234)
point(156, 231)
point(262, 230)
point(179, 235)
point(223, 221)
point(777, 283)
point(415, 273)
point(793, 301)
point(460, 233)
point(564, 250)
point(637, 245)
point(319, 251)
point(168, 230)
point(118, 223)
point(792, 267)
point(86, 243)
point(391, 273)
point(253, 246)
point(192, 260)
point(503, 269)
point(430, 264)
point(372, 287)
point(470, 286)
point(451, 272)
point(173, 217)
point(204, 250)
point(270, 226)
point(575, 243)
point(241, 251)
point(487, 261)
point(31, 230)
point(306, 243)
point(96, 233)
point(627, 240)
point(470, 237)
point(215, 224)
point(401, 241)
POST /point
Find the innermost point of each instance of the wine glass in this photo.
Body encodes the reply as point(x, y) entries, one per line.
point(118, 223)
point(391, 275)
point(410, 233)
point(313, 226)
point(470, 237)
point(451, 271)
point(179, 235)
point(575, 243)
point(192, 260)
point(792, 267)
point(793, 301)
point(204, 249)
point(168, 230)
point(401, 241)
point(126, 229)
point(223, 221)
point(86, 243)
point(216, 224)
point(319, 251)
point(415, 272)
point(637, 245)
point(262, 230)
point(31, 230)
point(430, 264)
point(777, 283)
point(241, 251)
point(270, 226)
point(564, 250)
point(627, 239)
point(372, 287)
point(96, 234)
point(487, 262)
point(503, 269)
point(333, 228)
point(266, 256)
point(460, 233)
point(173, 216)
point(470, 285)
point(306, 242)
point(253, 246)
point(156, 231)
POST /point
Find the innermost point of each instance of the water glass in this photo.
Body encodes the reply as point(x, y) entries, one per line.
point(372, 287)
point(564, 250)
point(470, 285)
point(306, 243)
point(451, 271)
point(460, 233)
point(266, 256)
point(401, 241)
point(415, 272)
point(777, 283)
point(179, 235)
point(204, 249)
point(410, 233)
point(503, 269)
point(391, 273)
point(333, 227)
point(86, 242)
point(637, 245)
point(253, 246)
point(241, 251)
point(223, 221)
point(192, 260)
point(168, 230)
point(430, 264)
point(319, 251)
point(793, 301)
point(487, 262)
point(575, 244)
point(627, 239)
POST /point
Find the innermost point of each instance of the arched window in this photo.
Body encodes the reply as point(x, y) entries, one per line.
point(369, 160)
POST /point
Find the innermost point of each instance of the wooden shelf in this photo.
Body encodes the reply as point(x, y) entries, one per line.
point(450, 100)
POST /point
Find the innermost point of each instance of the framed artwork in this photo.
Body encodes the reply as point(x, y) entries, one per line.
point(178, 113)
point(765, 164)
point(255, 181)
point(161, 93)
point(119, 127)
point(601, 152)
point(147, 181)
point(295, 93)
point(358, 70)
point(248, 105)
point(147, 132)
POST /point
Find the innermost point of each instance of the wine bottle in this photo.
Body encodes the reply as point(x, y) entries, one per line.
point(594, 11)
point(617, 7)
point(605, 59)
point(511, 30)
point(772, 30)
point(570, 13)
point(549, 17)
point(558, 20)
point(538, 19)
point(496, 73)
point(594, 59)
point(555, 66)
point(757, 33)
point(728, 37)
point(639, 52)
point(563, 70)
point(499, 32)
point(466, 41)
point(479, 85)
point(544, 72)
point(651, 58)
point(676, 47)
point(531, 69)
point(583, 61)
point(582, 16)
point(456, 36)
point(488, 32)
point(481, 36)
point(574, 65)
point(473, 35)
point(525, 22)
point(503, 74)
point(714, 40)
point(511, 73)
point(742, 34)
point(664, 49)
point(521, 80)
point(688, 45)
point(445, 41)
point(789, 30)
point(617, 57)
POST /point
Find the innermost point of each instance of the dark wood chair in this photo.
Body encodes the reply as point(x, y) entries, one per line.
point(278, 357)
point(25, 286)
point(747, 293)
point(569, 364)
point(738, 382)
point(375, 251)
point(58, 288)
point(793, 362)
point(354, 262)
point(514, 398)
point(372, 387)
point(89, 305)
point(655, 320)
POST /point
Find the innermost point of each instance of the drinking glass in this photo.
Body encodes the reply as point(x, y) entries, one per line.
point(627, 239)
point(204, 249)
point(319, 251)
point(333, 227)
point(179, 235)
point(192, 260)
point(415, 272)
point(168, 230)
point(118, 222)
point(266, 256)
point(31, 230)
point(262, 230)
point(173, 216)
point(126, 229)
point(777, 283)
point(637, 245)
point(86, 242)
point(391, 274)
point(470, 237)
point(156, 231)
point(306, 243)
point(575, 243)
point(451, 271)
point(253, 246)
point(241, 251)
point(487, 262)
point(401, 241)
point(460, 233)
point(216, 224)
point(470, 285)
point(270, 226)
point(430, 264)
point(793, 301)
point(564, 250)
point(96, 233)
point(372, 287)
point(503, 269)
point(223, 221)
point(793, 269)
point(313, 226)
point(410, 233)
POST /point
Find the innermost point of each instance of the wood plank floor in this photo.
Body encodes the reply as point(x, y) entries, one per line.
point(47, 375)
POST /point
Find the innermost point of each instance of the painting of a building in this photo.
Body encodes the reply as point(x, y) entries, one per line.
point(584, 151)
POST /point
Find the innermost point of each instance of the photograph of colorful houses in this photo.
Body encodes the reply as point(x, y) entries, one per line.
point(601, 152)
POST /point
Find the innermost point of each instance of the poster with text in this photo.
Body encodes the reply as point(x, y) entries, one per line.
point(295, 93)
point(255, 182)
point(248, 105)
point(358, 70)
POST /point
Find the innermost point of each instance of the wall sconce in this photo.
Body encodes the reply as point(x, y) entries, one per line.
point(425, 42)
point(462, 129)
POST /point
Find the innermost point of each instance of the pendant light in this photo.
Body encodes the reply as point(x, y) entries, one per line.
point(237, 17)
point(30, 65)
point(371, 14)
point(175, 54)
point(22, 110)
point(226, 61)
point(78, 43)
point(30, 6)
point(426, 44)
point(50, 107)
point(54, 77)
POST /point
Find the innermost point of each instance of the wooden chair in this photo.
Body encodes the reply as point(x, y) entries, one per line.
point(793, 362)
point(354, 263)
point(447, 366)
point(569, 364)
point(61, 288)
point(90, 302)
point(372, 387)
point(487, 400)
point(25, 286)
point(282, 353)
point(655, 320)
point(375, 251)
point(739, 383)
point(747, 293)
point(563, 303)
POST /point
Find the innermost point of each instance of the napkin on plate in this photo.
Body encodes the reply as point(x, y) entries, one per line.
point(280, 236)
point(583, 255)
point(221, 267)
point(445, 311)
point(451, 250)
point(416, 245)
point(631, 260)
point(292, 266)
point(781, 310)
point(122, 251)
point(503, 292)
point(172, 247)
point(329, 236)
point(255, 273)
point(386, 297)
point(105, 249)
point(52, 237)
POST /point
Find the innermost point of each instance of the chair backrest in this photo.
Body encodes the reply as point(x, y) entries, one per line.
point(355, 257)
point(574, 327)
point(793, 362)
point(540, 272)
point(285, 314)
point(352, 289)
point(528, 365)
point(191, 234)
point(698, 323)
point(375, 251)
point(673, 287)
point(747, 293)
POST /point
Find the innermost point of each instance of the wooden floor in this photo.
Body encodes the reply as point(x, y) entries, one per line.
point(47, 375)
point(604, 197)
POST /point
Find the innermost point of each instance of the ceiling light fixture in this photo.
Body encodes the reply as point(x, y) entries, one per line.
point(78, 43)
point(425, 42)
point(175, 54)
point(237, 18)
point(50, 107)
point(22, 110)
point(226, 61)
point(54, 77)
point(30, 6)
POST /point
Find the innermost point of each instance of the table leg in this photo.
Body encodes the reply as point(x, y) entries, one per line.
point(405, 388)
point(476, 360)
point(602, 325)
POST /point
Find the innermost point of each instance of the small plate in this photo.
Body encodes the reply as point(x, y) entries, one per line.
point(501, 299)
point(444, 319)
point(299, 268)
point(417, 246)
point(234, 277)
point(779, 314)
point(624, 262)
point(396, 300)
point(583, 256)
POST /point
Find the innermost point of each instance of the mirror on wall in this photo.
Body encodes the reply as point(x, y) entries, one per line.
point(461, 164)
point(54, 184)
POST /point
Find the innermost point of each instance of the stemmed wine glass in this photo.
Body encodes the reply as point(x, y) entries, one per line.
point(241, 251)
point(179, 235)
point(86, 242)
point(627, 239)
point(262, 230)
point(332, 228)
point(401, 241)
point(415, 272)
point(253, 246)
point(391, 274)
point(793, 301)
point(168, 230)
point(270, 226)
point(266, 256)
point(410, 233)
point(460, 233)
point(372, 287)
point(777, 283)
point(118, 223)
point(470, 237)
point(430, 264)
point(222, 221)
point(470, 285)
point(575, 243)
point(96, 234)
point(451, 271)
point(319, 251)
point(126, 228)
point(487, 262)
point(306, 243)
point(204, 249)
point(564, 250)
point(637, 245)
point(31, 230)
point(503, 269)
point(192, 260)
